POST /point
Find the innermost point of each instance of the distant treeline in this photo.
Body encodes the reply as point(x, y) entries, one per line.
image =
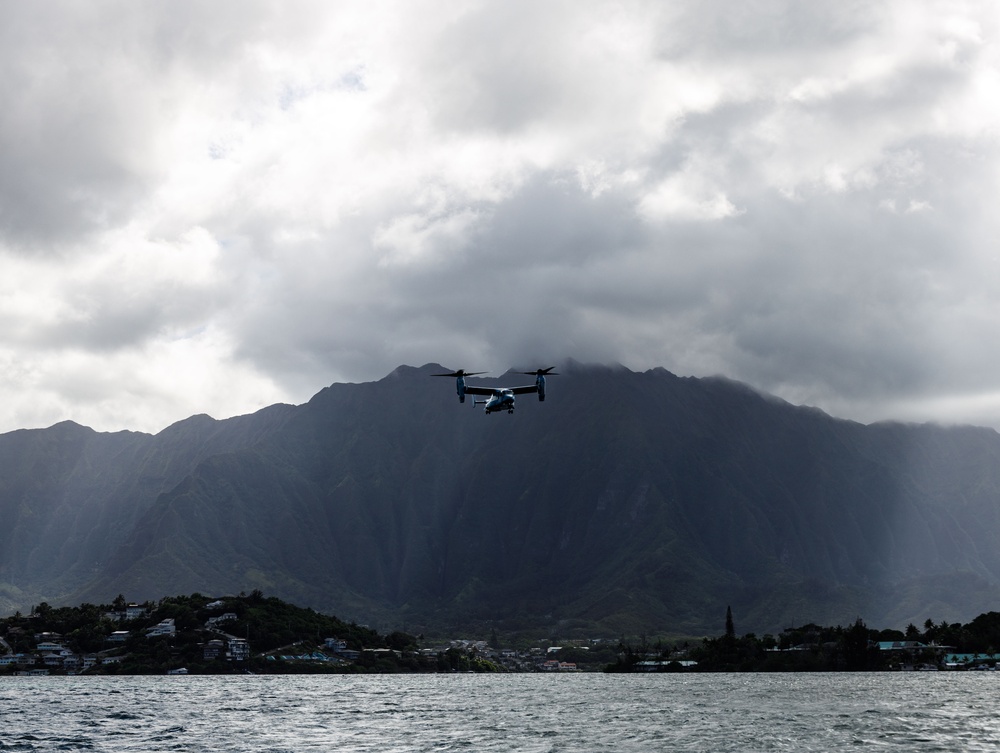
point(812, 648)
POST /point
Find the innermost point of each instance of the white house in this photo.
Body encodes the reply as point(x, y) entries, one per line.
point(166, 627)
point(227, 617)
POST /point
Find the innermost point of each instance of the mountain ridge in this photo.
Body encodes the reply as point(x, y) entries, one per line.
point(626, 502)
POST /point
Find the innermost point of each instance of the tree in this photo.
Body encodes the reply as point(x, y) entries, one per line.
point(399, 641)
point(730, 628)
point(857, 648)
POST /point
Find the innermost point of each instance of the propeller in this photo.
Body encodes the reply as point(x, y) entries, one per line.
point(541, 372)
point(461, 373)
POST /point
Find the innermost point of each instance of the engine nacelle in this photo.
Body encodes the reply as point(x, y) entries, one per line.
point(460, 387)
point(540, 384)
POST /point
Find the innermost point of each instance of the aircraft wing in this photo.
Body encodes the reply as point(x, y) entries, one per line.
point(480, 390)
point(524, 390)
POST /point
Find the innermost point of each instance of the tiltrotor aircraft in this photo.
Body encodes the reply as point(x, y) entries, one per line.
point(500, 398)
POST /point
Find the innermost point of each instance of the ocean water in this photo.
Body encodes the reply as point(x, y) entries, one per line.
point(917, 711)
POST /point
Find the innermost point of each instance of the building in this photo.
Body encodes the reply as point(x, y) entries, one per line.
point(339, 647)
point(165, 627)
point(239, 649)
point(227, 617)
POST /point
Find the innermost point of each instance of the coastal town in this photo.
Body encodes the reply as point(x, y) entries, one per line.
point(257, 635)
point(132, 638)
point(52, 655)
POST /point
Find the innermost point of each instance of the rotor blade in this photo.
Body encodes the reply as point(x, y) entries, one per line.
point(461, 373)
point(541, 372)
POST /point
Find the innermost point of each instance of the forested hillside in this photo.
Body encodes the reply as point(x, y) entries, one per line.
point(625, 502)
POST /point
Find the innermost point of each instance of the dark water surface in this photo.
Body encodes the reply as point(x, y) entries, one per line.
point(917, 711)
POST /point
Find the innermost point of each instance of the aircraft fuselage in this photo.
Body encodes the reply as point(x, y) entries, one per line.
point(501, 400)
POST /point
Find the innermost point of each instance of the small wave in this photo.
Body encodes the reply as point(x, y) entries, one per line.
point(76, 743)
point(17, 745)
point(123, 715)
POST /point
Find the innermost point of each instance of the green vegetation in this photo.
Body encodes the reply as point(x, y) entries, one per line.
point(245, 633)
point(258, 634)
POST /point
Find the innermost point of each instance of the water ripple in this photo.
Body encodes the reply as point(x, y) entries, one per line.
point(530, 713)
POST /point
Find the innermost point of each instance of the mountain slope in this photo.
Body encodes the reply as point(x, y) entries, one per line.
point(69, 496)
point(624, 502)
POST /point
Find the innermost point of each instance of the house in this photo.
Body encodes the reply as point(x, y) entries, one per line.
point(901, 645)
point(213, 649)
point(119, 636)
point(52, 660)
point(239, 649)
point(165, 627)
point(471, 647)
point(227, 617)
point(339, 647)
point(134, 611)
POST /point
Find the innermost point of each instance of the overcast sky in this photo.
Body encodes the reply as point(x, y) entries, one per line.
point(210, 207)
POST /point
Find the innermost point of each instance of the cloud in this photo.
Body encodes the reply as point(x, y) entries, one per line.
point(207, 208)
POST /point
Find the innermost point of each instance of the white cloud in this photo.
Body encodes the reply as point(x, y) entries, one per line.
point(206, 208)
point(680, 199)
